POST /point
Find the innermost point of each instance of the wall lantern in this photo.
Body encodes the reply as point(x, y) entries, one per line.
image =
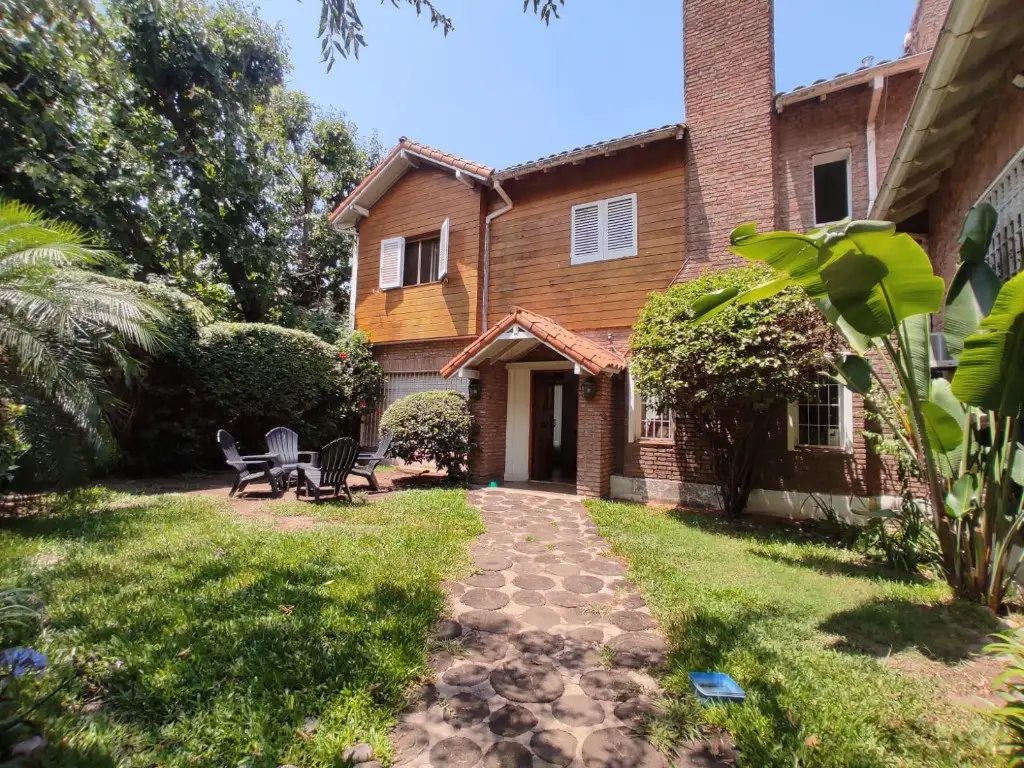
point(589, 388)
point(475, 389)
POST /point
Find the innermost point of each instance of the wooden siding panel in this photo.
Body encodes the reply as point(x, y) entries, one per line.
point(415, 206)
point(530, 244)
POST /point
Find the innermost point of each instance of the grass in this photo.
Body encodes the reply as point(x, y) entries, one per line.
point(806, 629)
point(202, 639)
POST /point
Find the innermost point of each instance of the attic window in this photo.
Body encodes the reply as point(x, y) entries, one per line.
point(832, 199)
point(421, 261)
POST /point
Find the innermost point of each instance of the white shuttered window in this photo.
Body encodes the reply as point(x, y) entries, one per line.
point(392, 260)
point(602, 230)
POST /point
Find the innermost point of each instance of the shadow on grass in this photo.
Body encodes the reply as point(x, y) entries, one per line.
point(861, 568)
point(948, 633)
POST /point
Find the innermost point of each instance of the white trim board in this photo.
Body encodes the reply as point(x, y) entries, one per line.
point(793, 505)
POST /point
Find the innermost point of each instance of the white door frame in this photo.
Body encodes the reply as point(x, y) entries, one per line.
point(517, 416)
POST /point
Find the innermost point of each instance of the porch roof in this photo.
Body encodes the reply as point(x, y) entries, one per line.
point(520, 331)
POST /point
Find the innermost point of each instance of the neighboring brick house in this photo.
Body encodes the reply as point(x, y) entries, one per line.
point(519, 287)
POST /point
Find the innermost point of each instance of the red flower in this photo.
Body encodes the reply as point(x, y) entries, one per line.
point(362, 403)
point(342, 356)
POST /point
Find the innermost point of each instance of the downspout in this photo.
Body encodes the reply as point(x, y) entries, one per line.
point(487, 246)
point(878, 85)
point(354, 290)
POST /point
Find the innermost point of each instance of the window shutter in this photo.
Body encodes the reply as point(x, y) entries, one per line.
point(621, 226)
point(442, 259)
point(586, 233)
point(633, 401)
point(392, 262)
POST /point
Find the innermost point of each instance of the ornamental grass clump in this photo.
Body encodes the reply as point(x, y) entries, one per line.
point(725, 374)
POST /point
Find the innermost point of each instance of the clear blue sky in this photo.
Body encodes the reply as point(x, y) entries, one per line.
point(502, 88)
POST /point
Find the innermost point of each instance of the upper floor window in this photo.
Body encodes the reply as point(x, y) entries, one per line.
point(604, 229)
point(823, 419)
point(1006, 194)
point(415, 262)
point(421, 257)
point(832, 195)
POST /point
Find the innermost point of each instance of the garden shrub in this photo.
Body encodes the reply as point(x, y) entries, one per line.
point(727, 372)
point(246, 378)
point(432, 426)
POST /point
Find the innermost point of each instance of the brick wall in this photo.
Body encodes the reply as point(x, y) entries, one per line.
point(997, 136)
point(490, 413)
point(814, 127)
point(595, 453)
point(729, 73)
point(925, 25)
point(417, 356)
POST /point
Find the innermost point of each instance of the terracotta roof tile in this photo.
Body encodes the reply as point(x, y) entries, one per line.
point(589, 355)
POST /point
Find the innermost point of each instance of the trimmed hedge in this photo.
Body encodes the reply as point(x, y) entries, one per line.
point(432, 426)
point(247, 378)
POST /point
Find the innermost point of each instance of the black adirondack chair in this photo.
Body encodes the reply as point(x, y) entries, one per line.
point(285, 443)
point(367, 462)
point(336, 461)
point(249, 468)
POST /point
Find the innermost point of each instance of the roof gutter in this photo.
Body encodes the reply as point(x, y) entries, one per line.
point(961, 19)
point(866, 75)
point(487, 246)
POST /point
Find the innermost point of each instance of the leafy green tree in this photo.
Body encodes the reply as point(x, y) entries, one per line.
point(64, 325)
point(725, 376)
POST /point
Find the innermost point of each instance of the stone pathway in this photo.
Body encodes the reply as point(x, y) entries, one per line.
point(548, 654)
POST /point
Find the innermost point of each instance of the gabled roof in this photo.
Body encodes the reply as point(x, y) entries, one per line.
point(504, 338)
point(860, 76)
point(672, 131)
point(405, 156)
point(971, 61)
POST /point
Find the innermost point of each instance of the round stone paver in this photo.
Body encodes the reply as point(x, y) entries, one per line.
point(564, 599)
point(618, 747)
point(529, 597)
point(495, 622)
point(409, 742)
point(530, 548)
point(604, 567)
point(563, 569)
point(632, 602)
point(578, 710)
point(579, 656)
point(456, 752)
point(490, 562)
point(558, 747)
point(609, 686)
point(466, 675)
point(512, 720)
point(482, 646)
point(533, 581)
point(582, 585)
point(591, 635)
point(487, 580)
point(535, 641)
point(527, 681)
point(464, 709)
point(485, 599)
point(542, 618)
point(446, 629)
point(638, 650)
point(631, 621)
point(636, 712)
point(508, 754)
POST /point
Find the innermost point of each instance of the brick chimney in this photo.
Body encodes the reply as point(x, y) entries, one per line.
point(729, 89)
point(925, 26)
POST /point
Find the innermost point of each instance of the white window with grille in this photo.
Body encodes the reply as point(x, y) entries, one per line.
point(822, 419)
point(603, 230)
point(1006, 195)
point(397, 386)
point(648, 420)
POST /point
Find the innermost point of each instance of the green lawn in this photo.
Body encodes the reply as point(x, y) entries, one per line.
point(208, 640)
point(805, 629)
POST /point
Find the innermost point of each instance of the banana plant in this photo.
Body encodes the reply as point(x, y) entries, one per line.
point(878, 288)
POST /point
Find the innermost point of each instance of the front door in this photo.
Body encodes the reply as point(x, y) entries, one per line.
point(542, 425)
